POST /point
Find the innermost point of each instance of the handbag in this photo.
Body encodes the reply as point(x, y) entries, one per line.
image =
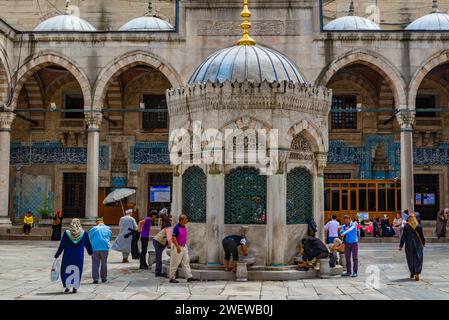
point(54, 274)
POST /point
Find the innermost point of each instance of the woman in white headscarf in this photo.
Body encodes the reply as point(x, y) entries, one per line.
point(128, 226)
point(72, 244)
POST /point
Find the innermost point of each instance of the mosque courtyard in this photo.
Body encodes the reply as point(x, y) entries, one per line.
point(25, 274)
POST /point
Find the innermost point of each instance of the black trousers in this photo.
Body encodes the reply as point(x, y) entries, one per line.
point(26, 228)
point(143, 253)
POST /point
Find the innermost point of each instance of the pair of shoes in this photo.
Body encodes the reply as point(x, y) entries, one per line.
point(174, 281)
point(412, 275)
point(95, 282)
point(66, 290)
point(144, 267)
point(104, 280)
point(192, 279)
point(345, 274)
point(416, 277)
point(227, 270)
point(354, 275)
point(125, 261)
point(74, 290)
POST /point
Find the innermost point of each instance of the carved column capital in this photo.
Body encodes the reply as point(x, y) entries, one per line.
point(214, 168)
point(282, 161)
point(93, 120)
point(6, 119)
point(321, 162)
point(406, 119)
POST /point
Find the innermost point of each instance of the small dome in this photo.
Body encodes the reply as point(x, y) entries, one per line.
point(246, 62)
point(351, 23)
point(432, 21)
point(148, 23)
point(65, 22)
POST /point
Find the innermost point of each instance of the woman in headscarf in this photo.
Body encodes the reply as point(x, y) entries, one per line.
point(57, 226)
point(442, 217)
point(413, 239)
point(73, 243)
point(165, 218)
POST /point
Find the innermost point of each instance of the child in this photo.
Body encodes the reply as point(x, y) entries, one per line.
point(28, 223)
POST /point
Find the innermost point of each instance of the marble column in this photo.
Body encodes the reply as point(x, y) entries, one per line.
point(176, 206)
point(6, 119)
point(214, 214)
point(276, 217)
point(321, 162)
point(93, 120)
point(406, 119)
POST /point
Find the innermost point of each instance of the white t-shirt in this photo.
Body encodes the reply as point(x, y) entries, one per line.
point(332, 226)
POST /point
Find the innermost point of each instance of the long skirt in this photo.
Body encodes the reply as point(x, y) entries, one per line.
point(56, 233)
point(415, 258)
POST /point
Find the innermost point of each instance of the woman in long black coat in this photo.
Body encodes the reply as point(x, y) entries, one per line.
point(413, 239)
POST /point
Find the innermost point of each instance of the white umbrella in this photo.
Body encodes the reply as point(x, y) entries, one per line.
point(118, 195)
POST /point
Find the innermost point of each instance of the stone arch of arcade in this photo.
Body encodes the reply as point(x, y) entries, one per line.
point(374, 61)
point(42, 60)
point(125, 62)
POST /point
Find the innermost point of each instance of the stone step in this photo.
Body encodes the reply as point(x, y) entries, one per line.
point(396, 240)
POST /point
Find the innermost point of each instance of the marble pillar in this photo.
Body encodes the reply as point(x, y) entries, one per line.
point(93, 120)
point(6, 119)
point(176, 205)
point(406, 119)
point(214, 216)
point(321, 162)
point(276, 218)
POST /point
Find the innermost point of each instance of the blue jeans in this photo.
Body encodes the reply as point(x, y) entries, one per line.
point(330, 240)
point(159, 248)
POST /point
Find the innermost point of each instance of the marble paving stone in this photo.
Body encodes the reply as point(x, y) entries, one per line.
point(126, 281)
point(207, 297)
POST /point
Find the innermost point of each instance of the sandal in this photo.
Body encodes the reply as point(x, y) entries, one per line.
point(227, 270)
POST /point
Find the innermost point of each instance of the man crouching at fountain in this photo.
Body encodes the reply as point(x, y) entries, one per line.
point(179, 254)
point(231, 246)
point(312, 249)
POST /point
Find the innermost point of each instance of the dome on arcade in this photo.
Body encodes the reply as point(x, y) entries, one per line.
point(65, 22)
point(435, 20)
point(149, 22)
point(351, 23)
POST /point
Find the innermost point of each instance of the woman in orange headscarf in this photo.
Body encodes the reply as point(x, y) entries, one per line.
point(413, 239)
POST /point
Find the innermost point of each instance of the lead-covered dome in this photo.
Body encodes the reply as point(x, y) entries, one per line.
point(147, 24)
point(246, 62)
point(351, 23)
point(435, 20)
point(65, 22)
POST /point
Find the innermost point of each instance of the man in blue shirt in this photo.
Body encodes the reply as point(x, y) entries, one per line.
point(100, 237)
point(348, 233)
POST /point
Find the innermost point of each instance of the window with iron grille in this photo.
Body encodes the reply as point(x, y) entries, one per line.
point(74, 194)
point(155, 120)
point(194, 183)
point(340, 118)
point(245, 196)
point(426, 102)
point(299, 196)
point(74, 102)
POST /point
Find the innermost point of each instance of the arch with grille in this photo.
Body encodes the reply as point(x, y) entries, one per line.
point(194, 184)
point(245, 196)
point(299, 196)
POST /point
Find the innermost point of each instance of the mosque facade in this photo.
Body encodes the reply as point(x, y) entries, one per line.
point(86, 90)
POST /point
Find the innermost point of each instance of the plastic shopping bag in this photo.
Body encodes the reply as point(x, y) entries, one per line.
point(54, 274)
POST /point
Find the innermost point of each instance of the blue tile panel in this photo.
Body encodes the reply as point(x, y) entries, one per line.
point(54, 153)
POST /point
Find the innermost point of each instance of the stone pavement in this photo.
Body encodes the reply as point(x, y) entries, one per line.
point(25, 274)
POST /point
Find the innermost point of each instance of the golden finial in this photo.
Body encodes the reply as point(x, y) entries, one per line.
point(67, 8)
point(246, 40)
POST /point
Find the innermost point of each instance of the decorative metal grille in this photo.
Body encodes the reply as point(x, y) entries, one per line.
point(299, 196)
point(194, 184)
point(301, 149)
point(245, 196)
